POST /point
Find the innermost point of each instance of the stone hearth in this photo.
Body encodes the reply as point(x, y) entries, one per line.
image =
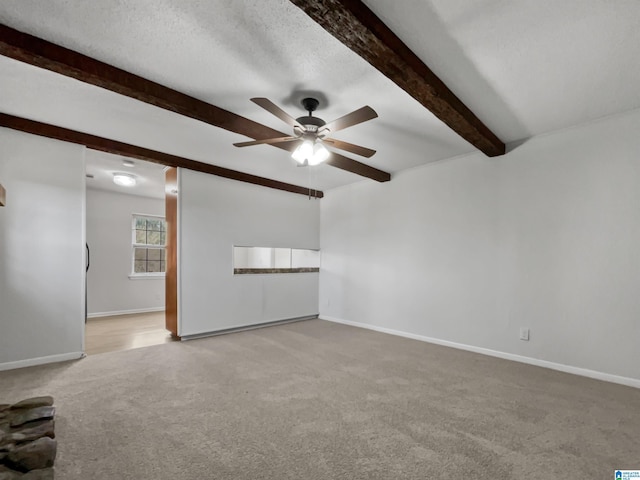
point(27, 439)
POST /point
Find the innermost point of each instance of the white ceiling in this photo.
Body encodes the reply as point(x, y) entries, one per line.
point(524, 67)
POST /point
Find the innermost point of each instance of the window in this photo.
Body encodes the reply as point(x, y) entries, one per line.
point(148, 242)
point(274, 260)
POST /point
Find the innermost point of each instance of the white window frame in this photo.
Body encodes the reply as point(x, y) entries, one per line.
point(145, 275)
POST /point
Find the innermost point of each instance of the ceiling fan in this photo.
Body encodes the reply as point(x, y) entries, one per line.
point(312, 132)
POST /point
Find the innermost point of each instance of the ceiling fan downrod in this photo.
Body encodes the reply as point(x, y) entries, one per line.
point(311, 123)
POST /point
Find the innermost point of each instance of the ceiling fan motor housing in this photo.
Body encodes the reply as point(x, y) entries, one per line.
point(312, 124)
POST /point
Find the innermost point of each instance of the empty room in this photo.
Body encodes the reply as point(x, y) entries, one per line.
point(386, 240)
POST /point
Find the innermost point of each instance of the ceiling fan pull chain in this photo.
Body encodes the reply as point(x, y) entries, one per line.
point(309, 180)
point(315, 180)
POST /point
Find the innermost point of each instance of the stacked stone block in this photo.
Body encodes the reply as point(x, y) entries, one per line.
point(27, 439)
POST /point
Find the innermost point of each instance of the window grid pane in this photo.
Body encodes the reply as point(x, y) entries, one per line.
point(149, 260)
point(148, 231)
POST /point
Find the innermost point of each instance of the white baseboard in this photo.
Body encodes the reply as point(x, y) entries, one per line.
point(607, 377)
point(125, 312)
point(30, 362)
point(242, 328)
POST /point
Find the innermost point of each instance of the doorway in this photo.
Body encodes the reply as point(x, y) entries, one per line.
point(126, 240)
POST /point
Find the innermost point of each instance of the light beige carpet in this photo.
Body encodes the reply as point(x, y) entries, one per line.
point(316, 400)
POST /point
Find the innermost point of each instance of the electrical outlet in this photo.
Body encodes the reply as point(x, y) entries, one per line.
point(524, 334)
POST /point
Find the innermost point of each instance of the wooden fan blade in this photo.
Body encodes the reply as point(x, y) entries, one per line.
point(361, 115)
point(350, 147)
point(272, 108)
point(268, 141)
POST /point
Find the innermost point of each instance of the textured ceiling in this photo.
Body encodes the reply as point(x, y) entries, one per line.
point(524, 67)
point(527, 67)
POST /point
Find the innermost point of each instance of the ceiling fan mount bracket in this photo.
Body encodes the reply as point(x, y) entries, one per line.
point(310, 104)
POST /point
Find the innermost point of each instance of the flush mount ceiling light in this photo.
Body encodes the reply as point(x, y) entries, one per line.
point(124, 179)
point(129, 163)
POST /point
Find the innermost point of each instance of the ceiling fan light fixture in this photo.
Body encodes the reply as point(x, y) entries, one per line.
point(124, 179)
point(320, 154)
point(303, 152)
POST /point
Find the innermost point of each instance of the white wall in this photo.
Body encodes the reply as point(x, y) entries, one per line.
point(110, 290)
point(41, 250)
point(214, 215)
point(471, 249)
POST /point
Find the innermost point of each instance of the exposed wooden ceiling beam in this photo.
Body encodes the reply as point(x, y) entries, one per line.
point(133, 151)
point(41, 53)
point(356, 26)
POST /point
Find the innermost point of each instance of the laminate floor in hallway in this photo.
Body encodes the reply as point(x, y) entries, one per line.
point(124, 332)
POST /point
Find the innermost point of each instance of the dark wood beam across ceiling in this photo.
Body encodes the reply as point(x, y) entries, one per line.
point(41, 53)
point(118, 148)
point(357, 27)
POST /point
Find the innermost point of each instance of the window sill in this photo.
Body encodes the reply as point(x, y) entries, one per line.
point(147, 277)
point(254, 271)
